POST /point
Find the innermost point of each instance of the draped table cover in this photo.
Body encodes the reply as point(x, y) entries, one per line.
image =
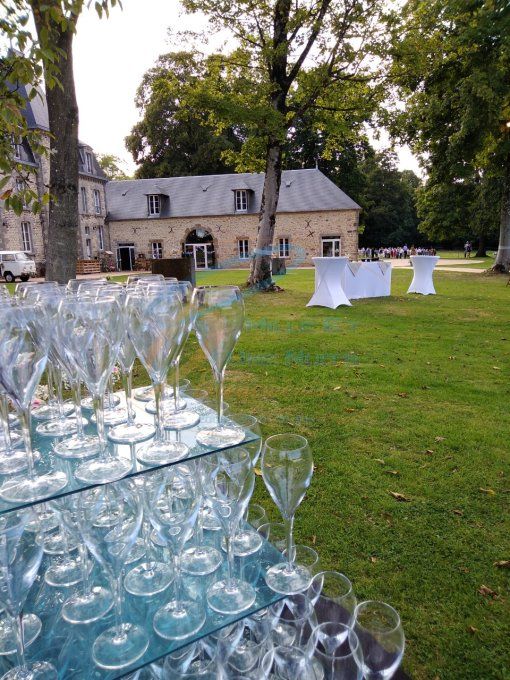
point(367, 280)
point(423, 268)
point(329, 273)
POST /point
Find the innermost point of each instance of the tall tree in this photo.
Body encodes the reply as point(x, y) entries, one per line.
point(292, 58)
point(171, 139)
point(56, 22)
point(112, 166)
point(451, 61)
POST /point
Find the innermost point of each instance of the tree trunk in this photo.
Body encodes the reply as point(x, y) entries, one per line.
point(502, 263)
point(61, 250)
point(260, 275)
point(482, 248)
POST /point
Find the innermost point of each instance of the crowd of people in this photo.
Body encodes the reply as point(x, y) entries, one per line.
point(393, 253)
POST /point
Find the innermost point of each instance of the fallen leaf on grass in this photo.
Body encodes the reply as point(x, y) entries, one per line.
point(429, 451)
point(335, 389)
point(399, 497)
point(403, 395)
point(349, 410)
point(392, 472)
point(257, 472)
point(487, 592)
point(314, 539)
point(489, 492)
point(458, 512)
point(451, 358)
point(502, 564)
point(496, 368)
point(464, 570)
point(373, 559)
point(439, 439)
point(472, 630)
point(379, 460)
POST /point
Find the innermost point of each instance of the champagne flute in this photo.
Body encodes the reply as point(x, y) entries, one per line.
point(218, 315)
point(287, 469)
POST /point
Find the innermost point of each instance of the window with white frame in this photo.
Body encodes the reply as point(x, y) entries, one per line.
point(283, 247)
point(88, 247)
point(89, 163)
point(244, 252)
point(26, 237)
point(331, 246)
point(16, 149)
point(83, 194)
point(97, 201)
point(100, 237)
point(241, 200)
point(157, 250)
point(153, 204)
point(21, 186)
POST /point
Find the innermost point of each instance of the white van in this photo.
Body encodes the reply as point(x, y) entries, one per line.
point(16, 263)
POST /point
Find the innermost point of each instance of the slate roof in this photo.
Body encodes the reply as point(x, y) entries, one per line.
point(209, 195)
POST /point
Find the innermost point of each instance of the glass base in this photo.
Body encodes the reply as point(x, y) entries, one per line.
point(288, 580)
point(16, 440)
point(136, 553)
point(113, 416)
point(180, 420)
point(45, 520)
point(167, 405)
point(56, 544)
point(75, 448)
point(144, 393)
point(87, 608)
point(111, 400)
point(200, 560)
point(131, 433)
point(230, 599)
point(220, 436)
point(23, 489)
point(65, 574)
point(209, 520)
point(148, 579)
point(12, 461)
point(31, 628)
point(51, 411)
point(102, 470)
point(59, 428)
point(40, 670)
point(120, 646)
point(160, 452)
point(246, 542)
point(176, 621)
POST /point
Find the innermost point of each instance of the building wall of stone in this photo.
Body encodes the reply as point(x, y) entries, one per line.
point(304, 231)
point(90, 220)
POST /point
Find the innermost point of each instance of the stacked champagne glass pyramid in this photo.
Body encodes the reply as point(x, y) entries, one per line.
point(128, 545)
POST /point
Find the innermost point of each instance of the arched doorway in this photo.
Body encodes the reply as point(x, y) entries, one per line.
point(199, 245)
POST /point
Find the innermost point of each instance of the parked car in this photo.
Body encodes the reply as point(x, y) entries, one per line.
point(16, 264)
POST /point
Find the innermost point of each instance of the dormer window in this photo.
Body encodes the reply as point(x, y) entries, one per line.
point(154, 204)
point(241, 200)
point(89, 164)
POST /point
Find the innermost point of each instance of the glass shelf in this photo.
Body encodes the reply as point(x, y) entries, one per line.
point(50, 461)
point(68, 647)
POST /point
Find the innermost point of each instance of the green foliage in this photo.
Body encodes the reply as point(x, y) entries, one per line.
point(451, 60)
point(175, 136)
point(112, 166)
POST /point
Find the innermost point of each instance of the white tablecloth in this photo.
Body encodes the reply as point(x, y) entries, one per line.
point(423, 267)
point(328, 282)
point(367, 279)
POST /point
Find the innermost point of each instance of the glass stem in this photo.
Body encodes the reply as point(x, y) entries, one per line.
point(60, 396)
point(158, 394)
point(289, 529)
point(84, 565)
point(117, 597)
point(20, 642)
point(76, 389)
point(176, 385)
point(24, 419)
point(230, 556)
point(178, 579)
point(219, 385)
point(110, 391)
point(50, 382)
point(4, 422)
point(98, 401)
point(127, 383)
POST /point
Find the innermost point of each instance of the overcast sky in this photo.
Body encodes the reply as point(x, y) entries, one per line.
point(110, 57)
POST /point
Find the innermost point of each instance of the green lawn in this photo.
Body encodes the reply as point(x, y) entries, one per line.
point(486, 263)
point(407, 394)
point(410, 395)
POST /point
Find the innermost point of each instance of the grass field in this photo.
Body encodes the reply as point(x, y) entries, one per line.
point(411, 395)
point(406, 395)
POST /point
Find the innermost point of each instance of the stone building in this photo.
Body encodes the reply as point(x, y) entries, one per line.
point(28, 231)
point(214, 219)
